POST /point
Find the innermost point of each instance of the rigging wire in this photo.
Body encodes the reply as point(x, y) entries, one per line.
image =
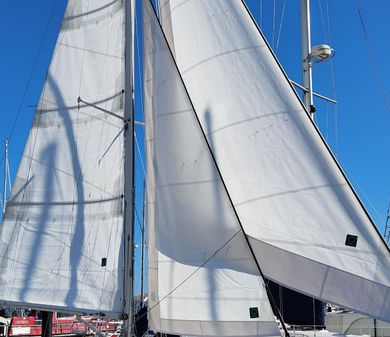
point(27, 87)
point(326, 38)
point(373, 57)
point(139, 154)
point(261, 13)
point(32, 70)
point(273, 25)
point(280, 26)
point(138, 221)
point(356, 184)
point(194, 272)
point(322, 21)
point(333, 83)
point(325, 21)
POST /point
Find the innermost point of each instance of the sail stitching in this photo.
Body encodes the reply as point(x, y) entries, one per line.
point(277, 113)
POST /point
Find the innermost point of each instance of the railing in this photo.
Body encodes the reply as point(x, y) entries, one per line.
point(373, 331)
point(364, 330)
point(95, 330)
point(303, 330)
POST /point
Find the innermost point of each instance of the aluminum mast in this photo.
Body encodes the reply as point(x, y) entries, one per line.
point(128, 171)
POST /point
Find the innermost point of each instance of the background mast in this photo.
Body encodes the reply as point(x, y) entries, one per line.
point(306, 59)
point(7, 177)
point(387, 226)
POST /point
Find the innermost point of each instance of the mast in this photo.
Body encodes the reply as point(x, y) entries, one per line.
point(47, 324)
point(128, 171)
point(306, 59)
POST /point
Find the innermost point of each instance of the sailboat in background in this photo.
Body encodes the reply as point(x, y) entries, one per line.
point(240, 183)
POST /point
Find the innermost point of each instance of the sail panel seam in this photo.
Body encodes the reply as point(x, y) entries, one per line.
point(276, 113)
point(95, 52)
point(220, 55)
point(63, 203)
point(288, 191)
point(72, 17)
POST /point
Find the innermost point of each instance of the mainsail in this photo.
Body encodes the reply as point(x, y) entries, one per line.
point(61, 238)
point(305, 223)
point(203, 279)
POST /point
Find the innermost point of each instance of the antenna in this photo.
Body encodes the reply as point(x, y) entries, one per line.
point(387, 226)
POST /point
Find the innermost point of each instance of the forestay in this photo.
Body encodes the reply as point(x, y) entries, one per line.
point(203, 279)
point(61, 239)
point(296, 206)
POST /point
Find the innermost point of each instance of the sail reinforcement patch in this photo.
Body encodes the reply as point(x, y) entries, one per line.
point(351, 240)
point(254, 312)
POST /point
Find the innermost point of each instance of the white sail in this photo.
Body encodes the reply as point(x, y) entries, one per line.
point(203, 279)
point(61, 238)
point(296, 206)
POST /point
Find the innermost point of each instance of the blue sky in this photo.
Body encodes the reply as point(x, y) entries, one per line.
point(357, 130)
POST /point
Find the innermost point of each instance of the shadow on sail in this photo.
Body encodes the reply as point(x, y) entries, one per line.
point(48, 156)
point(77, 241)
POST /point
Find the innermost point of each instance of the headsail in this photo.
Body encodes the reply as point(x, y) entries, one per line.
point(202, 277)
point(61, 238)
point(305, 223)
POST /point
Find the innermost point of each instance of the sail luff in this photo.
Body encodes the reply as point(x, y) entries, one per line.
point(297, 207)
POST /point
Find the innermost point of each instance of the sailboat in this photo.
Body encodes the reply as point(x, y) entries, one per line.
point(240, 183)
